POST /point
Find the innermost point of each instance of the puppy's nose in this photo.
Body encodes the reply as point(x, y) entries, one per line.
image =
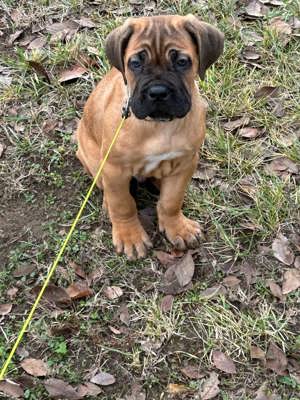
point(158, 92)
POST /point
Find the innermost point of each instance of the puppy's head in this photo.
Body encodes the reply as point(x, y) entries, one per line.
point(160, 58)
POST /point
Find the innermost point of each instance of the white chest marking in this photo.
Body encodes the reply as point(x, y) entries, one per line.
point(153, 160)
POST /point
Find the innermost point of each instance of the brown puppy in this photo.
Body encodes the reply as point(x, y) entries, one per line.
point(156, 61)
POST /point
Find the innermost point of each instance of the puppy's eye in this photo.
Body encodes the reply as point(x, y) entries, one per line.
point(135, 64)
point(183, 62)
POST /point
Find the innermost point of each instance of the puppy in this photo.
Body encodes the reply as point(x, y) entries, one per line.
point(155, 61)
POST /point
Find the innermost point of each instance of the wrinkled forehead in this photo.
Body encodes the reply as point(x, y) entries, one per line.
point(157, 35)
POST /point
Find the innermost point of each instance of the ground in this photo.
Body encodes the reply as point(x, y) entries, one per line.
point(247, 203)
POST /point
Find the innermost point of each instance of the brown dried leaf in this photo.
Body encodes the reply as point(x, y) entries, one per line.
point(210, 387)
point(257, 353)
point(85, 22)
point(35, 367)
point(223, 362)
point(249, 133)
point(63, 30)
point(192, 372)
point(212, 292)
point(5, 309)
point(163, 257)
point(68, 75)
point(282, 166)
point(235, 124)
point(175, 388)
point(167, 303)
point(60, 389)
point(255, 9)
point(264, 394)
point(231, 281)
point(205, 172)
point(297, 262)
point(78, 290)
point(12, 389)
point(39, 69)
point(78, 270)
point(124, 315)
point(11, 293)
point(250, 273)
point(23, 271)
point(276, 359)
point(37, 43)
point(250, 53)
point(88, 389)
point(177, 278)
point(282, 250)
point(291, 280)
point(281, 27)
point(95, 276)
point(54, 294)
point(103, 379)
point(267, 91)
point(137, 393)
point(113, 292)
point(275, 290)
point(14, 36)
point(2, 148)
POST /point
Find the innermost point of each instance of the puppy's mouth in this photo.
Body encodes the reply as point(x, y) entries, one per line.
point(159, 101)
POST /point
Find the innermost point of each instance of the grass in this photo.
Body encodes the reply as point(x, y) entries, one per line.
point(43, 186)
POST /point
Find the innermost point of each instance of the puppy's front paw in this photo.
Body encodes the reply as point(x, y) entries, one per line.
point(131, 239)
point(182, 232)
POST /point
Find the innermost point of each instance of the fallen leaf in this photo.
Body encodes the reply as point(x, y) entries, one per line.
point(69, 75)
point(282, 250)
point(249, 133)
point(79, 290)
point(124, 315)
point(192, 372)
point(175, 388)
point(63, 31)
point(23, 271)
point(282, 166)
point(250, 273)
point(275, 290)
point(264, 394)
point(95, 276)
point(167, 303)
point(115, 330)
point(250, 53)
point(212, 292)
point(49, 125)
point(39, 69)
point(295, 239)
point(257, 353)
point(235, 124)
point(205, 172)
point(35, 367)
point(278, 110)
point(248, 186)
point(276, 359)
point(113, 292)
point(85, 22)
point(223, 362)
point(11, 293)
point(10, 388)
point(77, 269)
point(103, 379)
point(295, 22)
point(266, 91)
point(2, 148)
point(54, 294)
point(280, 26)
point(251, 37)
point(14, 36)
point(210, 387)
point(177, 278)
point(291, 280)
point(163, 257)
point(60, 389)
point(88, 389)
point(231, 281)
point(255, 9)
point(5, 309)
point(137, 393)
point(37, 43)
point(297, 262)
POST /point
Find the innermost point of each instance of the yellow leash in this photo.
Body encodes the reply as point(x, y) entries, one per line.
point(61, 251)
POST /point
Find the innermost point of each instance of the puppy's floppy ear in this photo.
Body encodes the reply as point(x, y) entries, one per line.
point(208, 40)
point(116, 44)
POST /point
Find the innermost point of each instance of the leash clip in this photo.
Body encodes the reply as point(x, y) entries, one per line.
point(126, 109)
